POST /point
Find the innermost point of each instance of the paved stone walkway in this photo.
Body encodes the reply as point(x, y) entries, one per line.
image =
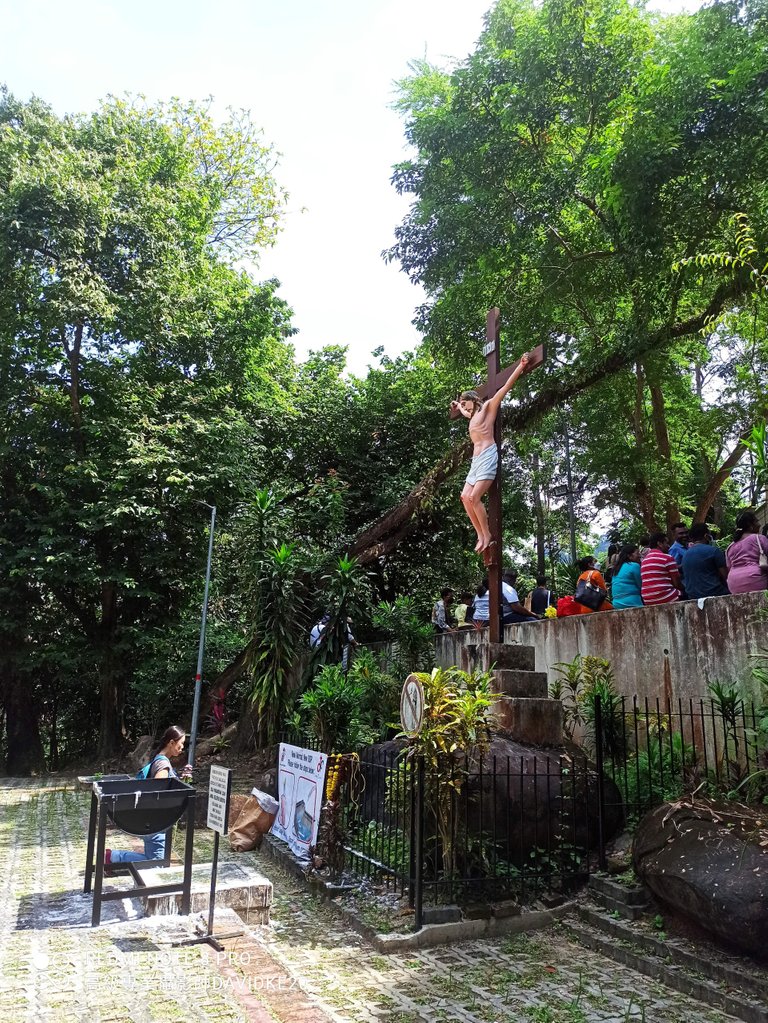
point(543, 977)
point(307, 968)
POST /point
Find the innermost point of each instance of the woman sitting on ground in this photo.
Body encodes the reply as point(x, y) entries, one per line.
point(171, 745)
point(745, 574)
point(626, 585)
point(590, 573)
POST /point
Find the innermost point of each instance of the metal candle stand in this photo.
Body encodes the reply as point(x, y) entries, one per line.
point(140, 808)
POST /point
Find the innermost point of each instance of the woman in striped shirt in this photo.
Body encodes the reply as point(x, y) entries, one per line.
point(661, 583)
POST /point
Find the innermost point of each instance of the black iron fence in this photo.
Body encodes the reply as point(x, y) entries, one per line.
point(482, 829)
point(521, 823)
point(653, 751)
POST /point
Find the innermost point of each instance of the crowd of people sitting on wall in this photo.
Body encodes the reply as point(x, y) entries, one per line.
point(684, 565)
point(472, 611)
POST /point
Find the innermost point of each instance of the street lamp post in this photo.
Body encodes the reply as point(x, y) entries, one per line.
point(201, 645)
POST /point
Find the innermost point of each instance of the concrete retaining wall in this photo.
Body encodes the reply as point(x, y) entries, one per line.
point(671, 652)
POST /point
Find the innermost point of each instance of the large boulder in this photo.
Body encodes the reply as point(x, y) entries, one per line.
point(539, 800)
point(708, 860)
point(524, 799)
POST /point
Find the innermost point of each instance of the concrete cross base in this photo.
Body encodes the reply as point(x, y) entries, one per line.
point(535, 721)
point(511, 655)
point(511, 682)
point(238, 887)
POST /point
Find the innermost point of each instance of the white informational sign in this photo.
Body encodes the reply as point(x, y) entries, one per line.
point(300, 781)
point(219, 788)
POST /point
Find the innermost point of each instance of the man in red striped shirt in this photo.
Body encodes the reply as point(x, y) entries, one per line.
point(660, 576)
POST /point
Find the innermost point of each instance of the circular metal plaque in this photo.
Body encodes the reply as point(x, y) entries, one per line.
point(412, 705)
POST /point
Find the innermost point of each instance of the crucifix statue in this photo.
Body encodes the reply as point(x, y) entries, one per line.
point(481, 407)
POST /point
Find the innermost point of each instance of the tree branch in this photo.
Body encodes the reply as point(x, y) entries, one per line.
point(402, 519)
point(592, 205)
point(715, 485)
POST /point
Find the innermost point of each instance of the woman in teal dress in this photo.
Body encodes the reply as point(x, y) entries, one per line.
point(625, 586)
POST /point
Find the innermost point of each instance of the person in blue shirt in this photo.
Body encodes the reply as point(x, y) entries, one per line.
point(704, 567)
point(481, 605)
point(626, 582)
point(680, 534)
point(170, 745)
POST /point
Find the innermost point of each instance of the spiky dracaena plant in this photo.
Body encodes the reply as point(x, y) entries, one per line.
point(279, 630)
point(346, 591)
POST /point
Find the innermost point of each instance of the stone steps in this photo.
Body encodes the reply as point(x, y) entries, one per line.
point(511, 656)
point(708, 978)
point(516, 682)
point(531, 720)
point(630, 902)
point(630, 895)
point(522, 709)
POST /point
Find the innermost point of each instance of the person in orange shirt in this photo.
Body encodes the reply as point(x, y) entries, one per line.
point(591, 573)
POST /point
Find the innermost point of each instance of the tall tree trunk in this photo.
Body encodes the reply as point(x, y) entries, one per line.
point(112, 690)
point(715, 484)
point(25, 753)
point(538, 509)
point(111, 677)
point(251, 730)
point(663, 445)
point(644, 497)
point(53, 737)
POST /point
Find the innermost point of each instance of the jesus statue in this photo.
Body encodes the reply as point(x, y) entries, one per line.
point(485, 454)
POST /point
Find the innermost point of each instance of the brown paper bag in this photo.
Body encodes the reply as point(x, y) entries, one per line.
point(255, 820)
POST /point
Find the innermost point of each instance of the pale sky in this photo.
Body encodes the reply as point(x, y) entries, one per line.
point(318, 76)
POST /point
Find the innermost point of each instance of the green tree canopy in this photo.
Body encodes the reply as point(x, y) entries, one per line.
point(136, 363)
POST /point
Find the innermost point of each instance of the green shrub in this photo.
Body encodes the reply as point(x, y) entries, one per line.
point(333, 711)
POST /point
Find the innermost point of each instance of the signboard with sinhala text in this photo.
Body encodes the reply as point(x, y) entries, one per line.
point(219, 790)
point(300, 785)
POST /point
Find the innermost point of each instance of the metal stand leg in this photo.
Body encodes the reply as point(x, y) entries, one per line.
point(91, 838)
point(99, 879)
point(188, 852)
point(168, 847)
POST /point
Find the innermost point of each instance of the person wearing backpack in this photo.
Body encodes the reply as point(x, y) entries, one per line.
point(541, 598)
point(171, 744)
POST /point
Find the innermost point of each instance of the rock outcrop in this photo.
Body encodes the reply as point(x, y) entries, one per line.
point(708, 861)
point(539, 800)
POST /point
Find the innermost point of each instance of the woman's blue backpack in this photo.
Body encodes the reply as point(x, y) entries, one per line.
point(143, 774)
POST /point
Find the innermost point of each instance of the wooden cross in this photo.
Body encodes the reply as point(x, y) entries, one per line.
point(497, 377)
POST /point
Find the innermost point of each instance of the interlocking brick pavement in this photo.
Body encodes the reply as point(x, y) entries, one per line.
point(542, 977)
point(309, 967)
